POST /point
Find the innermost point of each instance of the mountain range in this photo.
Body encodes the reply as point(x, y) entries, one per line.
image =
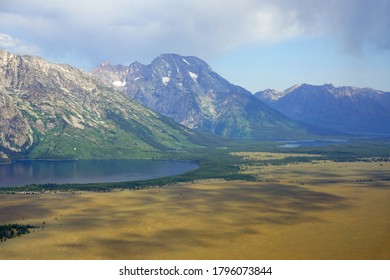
point(187, 90)
point(344, 109)
point(57, 111)
point(54, 111)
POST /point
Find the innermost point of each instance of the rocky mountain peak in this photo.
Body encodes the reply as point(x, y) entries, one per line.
point(188, 62)
point(186, 70)
point(186, 89)
point(137, 65)
point(112, 75)
point(105, 66)
point(49, 109)
point(269, 95)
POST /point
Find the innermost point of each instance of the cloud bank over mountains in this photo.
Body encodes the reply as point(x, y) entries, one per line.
point(143, 29)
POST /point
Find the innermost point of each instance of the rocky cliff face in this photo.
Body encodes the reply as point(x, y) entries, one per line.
point(112, 75)
point(346, 109)
point(187, 90)
point(57, 111)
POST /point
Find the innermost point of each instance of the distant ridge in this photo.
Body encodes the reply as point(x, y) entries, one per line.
point(345, 109)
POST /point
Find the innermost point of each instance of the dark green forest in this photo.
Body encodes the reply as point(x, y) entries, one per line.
point(14, 230)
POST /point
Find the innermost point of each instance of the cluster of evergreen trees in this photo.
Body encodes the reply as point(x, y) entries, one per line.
point(13, 230)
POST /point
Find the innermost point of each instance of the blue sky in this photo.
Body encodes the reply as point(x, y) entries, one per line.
point(313, 61)
point(257, 44)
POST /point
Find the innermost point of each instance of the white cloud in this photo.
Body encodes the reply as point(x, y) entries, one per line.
point(15, 45)
point(144, 29)
point(354, 23)
point(121, 30)
point(6, 41)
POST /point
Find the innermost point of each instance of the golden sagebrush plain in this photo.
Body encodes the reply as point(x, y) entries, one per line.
point(317, 210)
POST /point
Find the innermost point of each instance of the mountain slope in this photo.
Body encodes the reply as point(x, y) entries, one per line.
point(346, 109)
point(57, 111)
point(187, 90)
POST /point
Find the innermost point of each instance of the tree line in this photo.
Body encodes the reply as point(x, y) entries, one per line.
point(13, 230)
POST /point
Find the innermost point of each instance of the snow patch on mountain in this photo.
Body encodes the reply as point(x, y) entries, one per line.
point(119, 83)
point(193, 76)
point(165, 80)
point(185, 61)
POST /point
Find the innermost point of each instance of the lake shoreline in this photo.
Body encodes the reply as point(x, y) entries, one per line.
point(24, 173)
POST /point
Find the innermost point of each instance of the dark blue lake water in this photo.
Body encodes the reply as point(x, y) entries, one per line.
point(88, 171)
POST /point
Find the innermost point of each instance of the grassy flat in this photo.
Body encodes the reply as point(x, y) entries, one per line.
point(315, 210)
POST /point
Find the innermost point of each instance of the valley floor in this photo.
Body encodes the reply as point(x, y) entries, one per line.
point(314, 210)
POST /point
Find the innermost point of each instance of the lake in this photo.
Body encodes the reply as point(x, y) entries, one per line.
point(311, 143)
point(29, 172)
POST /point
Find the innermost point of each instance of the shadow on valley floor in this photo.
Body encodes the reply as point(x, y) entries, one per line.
point(278, 199)
point(209, 219)
point(25, 211)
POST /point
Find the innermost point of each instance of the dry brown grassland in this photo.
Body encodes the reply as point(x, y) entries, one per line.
point(314, 210)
